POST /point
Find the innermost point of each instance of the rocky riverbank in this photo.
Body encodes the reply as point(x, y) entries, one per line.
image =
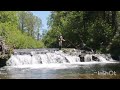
point(5, 52)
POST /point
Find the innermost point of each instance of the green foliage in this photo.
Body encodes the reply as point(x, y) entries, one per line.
point(29, 23)
point(99, 35)
point(13, 36)
point(98, 30)
point(94, 29)
point(50, 39)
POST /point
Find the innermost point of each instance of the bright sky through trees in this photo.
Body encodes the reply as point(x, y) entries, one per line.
point(43, 16)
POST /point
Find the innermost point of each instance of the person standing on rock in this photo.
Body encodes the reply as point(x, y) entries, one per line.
point(60, 41)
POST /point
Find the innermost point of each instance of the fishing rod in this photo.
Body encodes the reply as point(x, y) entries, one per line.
point(71, 43)
point(83, 44)
point(67, 40)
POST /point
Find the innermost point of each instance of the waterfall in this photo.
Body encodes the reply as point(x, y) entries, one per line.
point(88, 58)
point(102, 59)
point(47, 57)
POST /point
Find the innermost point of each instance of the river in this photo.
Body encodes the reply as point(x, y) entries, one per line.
point(58, 65)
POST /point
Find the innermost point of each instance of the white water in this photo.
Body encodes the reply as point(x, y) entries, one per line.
point(55, 59)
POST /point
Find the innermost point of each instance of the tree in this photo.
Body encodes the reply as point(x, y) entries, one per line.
point(14, 35)
point(93, 29)
point(29, 23)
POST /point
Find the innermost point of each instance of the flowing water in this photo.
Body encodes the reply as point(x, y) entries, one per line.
point(46, 64)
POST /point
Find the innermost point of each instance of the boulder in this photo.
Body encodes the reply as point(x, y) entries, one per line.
point(5, 51)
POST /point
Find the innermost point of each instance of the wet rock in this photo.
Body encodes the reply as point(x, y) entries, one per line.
point(94, 58)
point(81, 56)
point(5, 51)
point(3, 62)
point(115, 57)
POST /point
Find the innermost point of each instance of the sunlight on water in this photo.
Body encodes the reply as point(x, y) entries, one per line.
point(61, 71)
point(57, 65)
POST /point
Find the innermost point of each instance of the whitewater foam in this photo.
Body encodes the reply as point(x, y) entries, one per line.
point(57, 58)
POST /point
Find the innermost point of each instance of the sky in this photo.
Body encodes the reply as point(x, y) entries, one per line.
point(43, 16)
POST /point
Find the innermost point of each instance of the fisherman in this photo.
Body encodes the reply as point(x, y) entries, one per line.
point(60, 41)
